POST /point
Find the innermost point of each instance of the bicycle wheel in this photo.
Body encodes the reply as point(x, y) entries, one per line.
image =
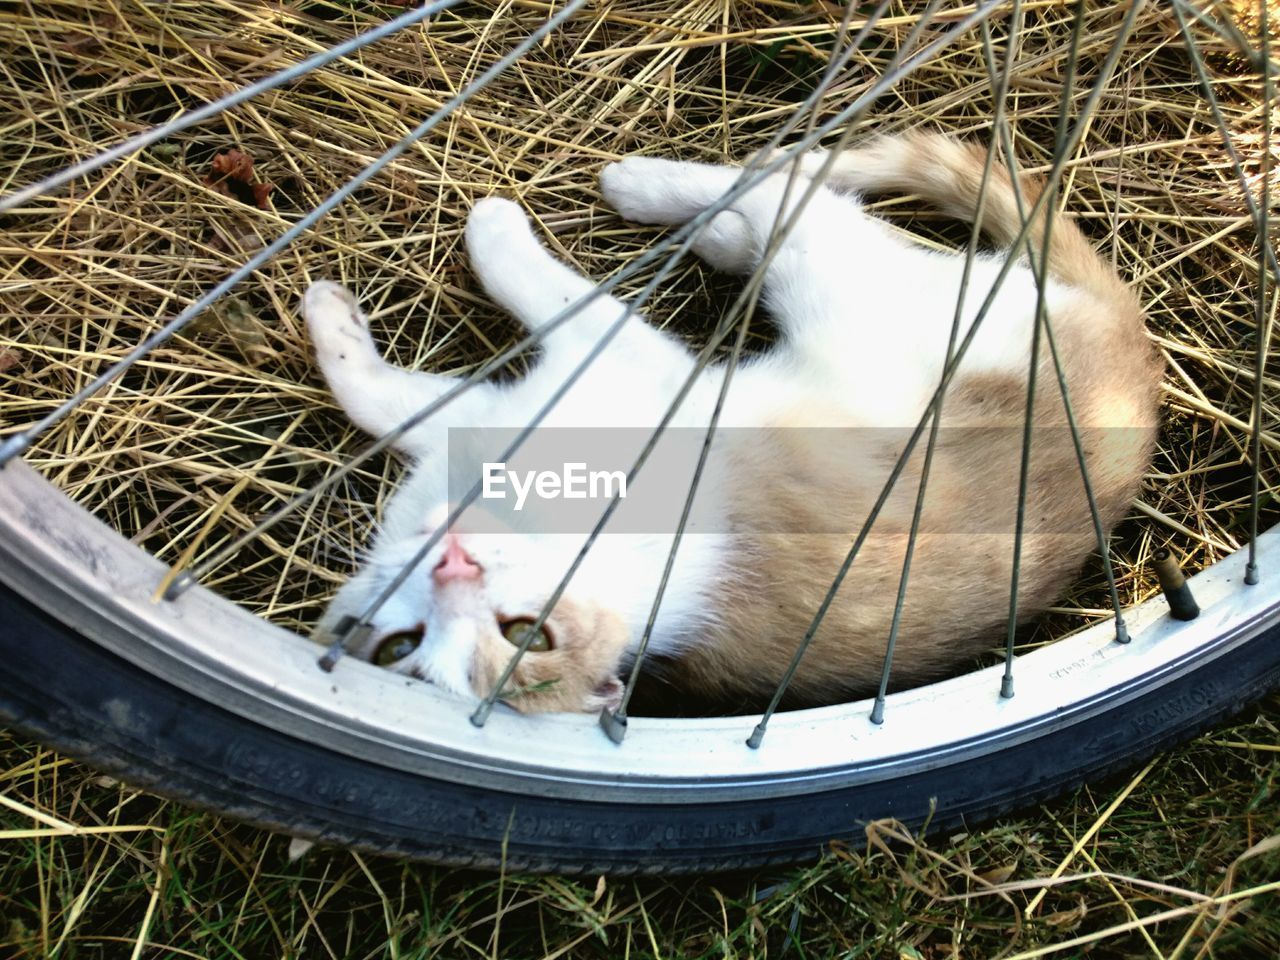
point(200, 699)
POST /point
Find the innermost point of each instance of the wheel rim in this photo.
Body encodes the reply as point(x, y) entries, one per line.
point(67, 562)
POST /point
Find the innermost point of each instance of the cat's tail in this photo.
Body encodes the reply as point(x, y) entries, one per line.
point(949, 174)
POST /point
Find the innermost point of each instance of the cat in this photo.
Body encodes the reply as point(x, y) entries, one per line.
point(863, 317)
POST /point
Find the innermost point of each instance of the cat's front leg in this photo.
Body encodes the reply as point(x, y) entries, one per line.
point(339, 333)
point(376, 395)
point(522, 276)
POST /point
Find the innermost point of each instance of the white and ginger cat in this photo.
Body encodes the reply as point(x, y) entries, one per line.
point(863, 320)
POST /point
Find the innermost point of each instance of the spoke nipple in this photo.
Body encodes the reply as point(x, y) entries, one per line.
point(877, 711)
point(1182, 605)
point(180, 585)
point(614, 724)
point(482, 714)
point(757, 736)
point(331, 657)
point(1122, 632)
point(1251, 573)
point(13, 447)
point(1006, 687)
point(346, 633)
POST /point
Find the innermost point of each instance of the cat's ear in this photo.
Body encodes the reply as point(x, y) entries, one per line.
point(606, 696)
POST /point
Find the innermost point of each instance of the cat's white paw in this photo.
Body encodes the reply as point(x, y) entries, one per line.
point(329, 302)
point(639, 189)
point(494, 223)
point(334, 320)
point(649, 190)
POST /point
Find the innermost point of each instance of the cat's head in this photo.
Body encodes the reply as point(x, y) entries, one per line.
point(457, 618)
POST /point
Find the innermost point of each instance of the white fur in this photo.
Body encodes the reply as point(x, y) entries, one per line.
point(864, 319)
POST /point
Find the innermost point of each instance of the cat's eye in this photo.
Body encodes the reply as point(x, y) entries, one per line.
point(397, 646)
point(515, 632)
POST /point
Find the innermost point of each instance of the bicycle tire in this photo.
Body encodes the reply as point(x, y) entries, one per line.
point(98, 667)
point(124, 718)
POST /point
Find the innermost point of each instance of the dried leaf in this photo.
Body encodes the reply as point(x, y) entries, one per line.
point(298, 847)
point(232, 319)
point(260, 193)
point(840, 850)
point(998, 875)
point(232, 176)
point(9, 358)
point(1068, 919)
point(166, 151)
point(245, 330)
point(86, 43)
point(234, 165)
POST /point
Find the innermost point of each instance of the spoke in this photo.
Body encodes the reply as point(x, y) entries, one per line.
point(1039, 268)
point(1037, 209)
point(1206, 87)
point(486, 705)
point(1043, 320)
point(1262, 315)
point(1122, 631)
point(747, 296)
point(182, 122)
point(1001, 91)
point(19, 442)
point(753, 173)
point(615, 723)
point(1266, 252)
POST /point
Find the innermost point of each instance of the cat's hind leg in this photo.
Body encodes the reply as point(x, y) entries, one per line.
point(670, 192)
point(833, 278)
point(651, 190)
point(375, 395)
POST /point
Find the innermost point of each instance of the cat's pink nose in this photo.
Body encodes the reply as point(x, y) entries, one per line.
point(456, 564)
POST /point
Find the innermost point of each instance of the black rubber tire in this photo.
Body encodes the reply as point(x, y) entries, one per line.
point(69, 693)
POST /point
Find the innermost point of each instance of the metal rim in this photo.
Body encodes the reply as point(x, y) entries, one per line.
point(68, 562)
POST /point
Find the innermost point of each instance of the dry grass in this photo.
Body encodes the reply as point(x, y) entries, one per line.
point(222, 425)
point(1177, 861)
